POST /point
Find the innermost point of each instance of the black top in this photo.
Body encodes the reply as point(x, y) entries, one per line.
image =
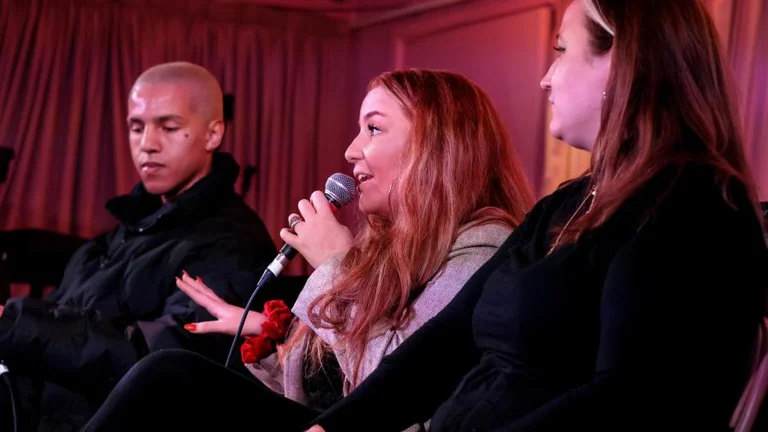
point(644, 324)
point(324, 386)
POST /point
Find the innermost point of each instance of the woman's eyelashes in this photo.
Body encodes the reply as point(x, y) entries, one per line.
point(373, 130)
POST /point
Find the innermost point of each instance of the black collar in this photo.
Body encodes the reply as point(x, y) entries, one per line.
point(140, 210)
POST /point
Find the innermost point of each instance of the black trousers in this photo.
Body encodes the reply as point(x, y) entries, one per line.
point(182, 390)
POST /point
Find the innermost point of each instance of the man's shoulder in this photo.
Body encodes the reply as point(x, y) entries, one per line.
point(235, 223)
point(236, 214)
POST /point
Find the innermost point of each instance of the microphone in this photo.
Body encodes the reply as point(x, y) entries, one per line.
point(339, 191)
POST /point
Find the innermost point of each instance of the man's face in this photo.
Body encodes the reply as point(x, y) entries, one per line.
point(168, 137)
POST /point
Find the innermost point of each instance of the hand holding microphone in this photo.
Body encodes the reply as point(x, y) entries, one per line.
point(316, 234)
point(339, 191)
point(317, 239)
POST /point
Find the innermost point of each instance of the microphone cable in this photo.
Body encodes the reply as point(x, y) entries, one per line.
point(266, 277)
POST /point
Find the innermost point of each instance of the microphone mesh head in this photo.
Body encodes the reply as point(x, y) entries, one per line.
point(341, 187)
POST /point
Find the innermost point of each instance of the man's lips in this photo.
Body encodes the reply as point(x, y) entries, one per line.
point(150, 167)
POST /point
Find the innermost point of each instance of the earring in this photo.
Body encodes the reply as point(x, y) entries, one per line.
point(604, 95)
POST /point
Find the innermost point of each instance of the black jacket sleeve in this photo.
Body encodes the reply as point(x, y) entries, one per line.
point(78, 349)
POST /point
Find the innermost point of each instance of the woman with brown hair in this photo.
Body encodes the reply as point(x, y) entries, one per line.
point(440, 186)
point(630, 297)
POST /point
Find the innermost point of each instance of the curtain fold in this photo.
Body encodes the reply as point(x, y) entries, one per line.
point(748, 57)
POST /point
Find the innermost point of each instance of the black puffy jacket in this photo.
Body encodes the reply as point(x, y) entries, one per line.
point(118, 300)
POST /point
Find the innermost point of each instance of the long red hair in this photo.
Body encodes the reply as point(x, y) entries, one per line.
point(668, 101)
point(459, 169)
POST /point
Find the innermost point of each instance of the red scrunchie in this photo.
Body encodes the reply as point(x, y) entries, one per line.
point(273, 330)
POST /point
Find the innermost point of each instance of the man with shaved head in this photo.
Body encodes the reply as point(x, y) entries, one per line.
point(118, 299)
point(179, 105)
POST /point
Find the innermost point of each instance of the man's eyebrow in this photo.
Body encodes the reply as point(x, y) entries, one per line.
point(159, 119)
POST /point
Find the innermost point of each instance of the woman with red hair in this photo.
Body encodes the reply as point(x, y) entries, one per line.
point(440, 186)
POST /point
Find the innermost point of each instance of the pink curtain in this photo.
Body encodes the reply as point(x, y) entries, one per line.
point(747, 42)
point(67, 67)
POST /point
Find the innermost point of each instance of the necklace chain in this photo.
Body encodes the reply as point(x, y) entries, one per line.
point(592, 194)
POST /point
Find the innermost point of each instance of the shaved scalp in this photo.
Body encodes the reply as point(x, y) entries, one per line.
point(205, 92)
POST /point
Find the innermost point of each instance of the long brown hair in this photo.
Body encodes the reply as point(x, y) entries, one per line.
point(668, 101)
point(459, 169)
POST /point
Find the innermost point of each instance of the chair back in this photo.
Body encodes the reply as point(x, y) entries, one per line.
point(34, 257)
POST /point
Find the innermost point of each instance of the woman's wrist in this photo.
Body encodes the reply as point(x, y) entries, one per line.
point(272, 326)
point(253, 322)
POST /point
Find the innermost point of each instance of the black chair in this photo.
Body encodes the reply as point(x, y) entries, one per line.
point(35, 257)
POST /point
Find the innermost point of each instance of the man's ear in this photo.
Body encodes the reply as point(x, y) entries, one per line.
point(215, 135)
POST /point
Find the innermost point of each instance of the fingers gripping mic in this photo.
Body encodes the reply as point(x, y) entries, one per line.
point(339, 191)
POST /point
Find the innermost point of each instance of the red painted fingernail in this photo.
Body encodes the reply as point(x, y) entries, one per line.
point(190, 327)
